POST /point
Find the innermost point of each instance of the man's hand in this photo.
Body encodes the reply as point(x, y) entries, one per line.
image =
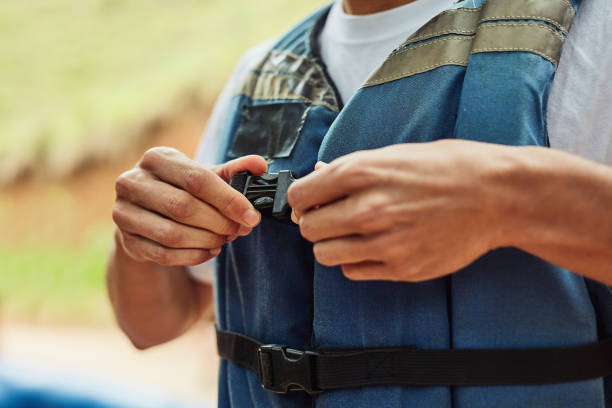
point(172, 211)
point(408, 212)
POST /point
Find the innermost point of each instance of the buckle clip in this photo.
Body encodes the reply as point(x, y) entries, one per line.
point(267, 193)
point(282, 369)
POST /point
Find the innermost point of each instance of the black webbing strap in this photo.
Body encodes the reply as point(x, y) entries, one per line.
point(282, 369)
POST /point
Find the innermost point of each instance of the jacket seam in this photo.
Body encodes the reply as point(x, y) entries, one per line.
point(538, 52)
point(548, 20)
point(413, 47)
point(418, 71)
point(540, 26)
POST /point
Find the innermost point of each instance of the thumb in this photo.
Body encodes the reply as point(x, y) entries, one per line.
point(255, 164)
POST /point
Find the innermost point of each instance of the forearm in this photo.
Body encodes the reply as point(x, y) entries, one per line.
point(153, 303)
point(558, 207)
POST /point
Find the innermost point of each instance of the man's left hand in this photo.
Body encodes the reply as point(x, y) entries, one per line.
point(408, 212)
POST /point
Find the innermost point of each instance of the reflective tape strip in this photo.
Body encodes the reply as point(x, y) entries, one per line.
point(285, 76)
point(557, 12)
point(536, 38)
point(466, 31)
point(450, 50)
point(464, 20)
point(456, 21)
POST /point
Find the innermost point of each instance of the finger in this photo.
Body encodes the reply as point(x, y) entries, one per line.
point(373, 270)
point(137, 220)
point(367, 270)
point(254, 164)
point(174, 203)
point(243, 231)
point(330, 182)
point(294, 217)
point(330, 221)
point(297, 214)
point(201, 182)
point(154, 252)
point(352, 249)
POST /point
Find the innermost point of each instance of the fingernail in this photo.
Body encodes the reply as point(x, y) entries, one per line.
point(251, 217)
point(243, 230)
point(215, 251)
point(230, 238)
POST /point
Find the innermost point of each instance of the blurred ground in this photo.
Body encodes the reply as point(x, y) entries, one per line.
point(186, 368)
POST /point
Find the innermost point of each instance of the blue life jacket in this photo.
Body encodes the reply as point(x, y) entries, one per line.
point(479, 71)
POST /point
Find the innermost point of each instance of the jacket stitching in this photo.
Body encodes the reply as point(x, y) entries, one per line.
point(418, 71)
point(472, 31)
point(464, 38)
point(568, 4)
point(437, 33)
point(548, 20)
point(540, 53)
point(540, 26)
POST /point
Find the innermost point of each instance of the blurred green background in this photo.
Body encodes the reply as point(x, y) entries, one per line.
point(86, 86)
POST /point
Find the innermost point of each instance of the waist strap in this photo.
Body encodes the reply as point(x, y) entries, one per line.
point(282, 369)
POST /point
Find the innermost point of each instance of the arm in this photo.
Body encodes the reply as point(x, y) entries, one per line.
point(153, 297)
point(413, 212)
point(171, 212)
point(153, 303)
point(559, 207)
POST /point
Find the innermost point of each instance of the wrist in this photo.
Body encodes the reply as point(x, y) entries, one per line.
point(132, 271)
point(533, 193)
point(513, 186)
point(152, 303)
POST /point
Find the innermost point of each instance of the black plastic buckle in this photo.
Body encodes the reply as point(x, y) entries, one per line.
point(282, 369)
point(267, 193)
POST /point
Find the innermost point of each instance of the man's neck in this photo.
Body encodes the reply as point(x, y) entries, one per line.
point(360, 7)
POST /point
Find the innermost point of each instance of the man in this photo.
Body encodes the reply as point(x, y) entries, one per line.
point(461, 244)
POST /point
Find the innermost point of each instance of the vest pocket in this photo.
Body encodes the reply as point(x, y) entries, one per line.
point(270, 130)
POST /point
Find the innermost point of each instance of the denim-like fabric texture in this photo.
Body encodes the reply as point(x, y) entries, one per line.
point(601, 296)
point(264, 283)
point(510, 299)
point(268, 285)
point(380, 314)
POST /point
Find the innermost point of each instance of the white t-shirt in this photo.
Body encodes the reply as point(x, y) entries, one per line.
point(579, 112)
point(352, 47)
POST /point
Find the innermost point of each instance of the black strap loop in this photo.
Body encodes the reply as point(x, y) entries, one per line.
point(282, 369)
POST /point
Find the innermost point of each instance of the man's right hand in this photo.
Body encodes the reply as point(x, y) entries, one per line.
point(173, 211)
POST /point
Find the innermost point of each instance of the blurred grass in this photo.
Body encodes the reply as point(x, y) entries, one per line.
point(78, 75)
point(56, 282)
